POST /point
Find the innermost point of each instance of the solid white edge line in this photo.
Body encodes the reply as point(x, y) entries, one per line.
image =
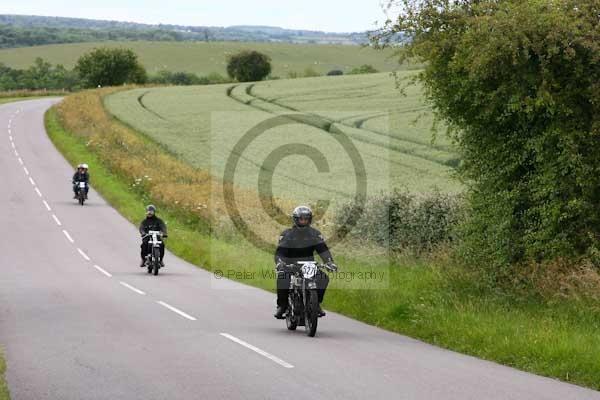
point(128, 286)
point(103, 271)
point(68, 236)
point(38, 192)
point(257, 350)
point(48, 207)
point(56, 219)
point(87, 258)
point(32, 181)
point(177, 311)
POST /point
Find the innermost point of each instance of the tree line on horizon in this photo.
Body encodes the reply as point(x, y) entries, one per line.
point(23, 31)
point(116, 66)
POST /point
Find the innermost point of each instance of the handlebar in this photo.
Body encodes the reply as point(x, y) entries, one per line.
point(298, 266)
point(150, 233)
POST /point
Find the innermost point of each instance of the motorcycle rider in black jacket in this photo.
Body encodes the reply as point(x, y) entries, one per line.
point(300, 244)
point(81, 175)
point(152, 223)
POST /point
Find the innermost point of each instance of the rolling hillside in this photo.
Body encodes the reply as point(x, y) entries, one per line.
point(205, 57)
point(204, 124)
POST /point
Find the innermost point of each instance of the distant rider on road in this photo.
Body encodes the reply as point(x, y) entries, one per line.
point(300, 244)
point(81, 175)
point(152, 223)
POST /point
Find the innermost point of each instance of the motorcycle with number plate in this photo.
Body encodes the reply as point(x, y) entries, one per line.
point(81, 186)
point(152, 261)
point(303, 309)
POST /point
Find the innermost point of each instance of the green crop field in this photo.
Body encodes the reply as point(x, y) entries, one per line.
point(203, 58)
point(203, 124)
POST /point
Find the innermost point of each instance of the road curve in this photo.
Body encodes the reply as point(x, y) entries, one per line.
point(80, 320)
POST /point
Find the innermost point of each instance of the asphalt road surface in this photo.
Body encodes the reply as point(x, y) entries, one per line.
point(80, 320)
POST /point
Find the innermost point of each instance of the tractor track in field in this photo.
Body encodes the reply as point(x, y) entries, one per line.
point(329, 127)
point(140, 100)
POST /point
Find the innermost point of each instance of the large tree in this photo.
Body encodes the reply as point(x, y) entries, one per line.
point(518, 83)
point(110, 67)
point(248, 66)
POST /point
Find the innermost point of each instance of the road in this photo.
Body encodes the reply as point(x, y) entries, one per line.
point(80, 320)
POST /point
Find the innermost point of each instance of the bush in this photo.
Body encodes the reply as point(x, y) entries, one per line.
point(177, 78)
point(517, 83)
point(215, 77)
point(363, 69)
point(310, 72)
point(404, 222)
point(249, 66)
point(110, 67)
point(40, 76)
point(335, 72)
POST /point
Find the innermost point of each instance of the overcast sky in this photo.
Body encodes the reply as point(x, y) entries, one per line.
point(324, 15)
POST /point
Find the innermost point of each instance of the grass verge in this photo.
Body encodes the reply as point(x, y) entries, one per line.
point(431, 301)
point(4, 394)
point(4, 100)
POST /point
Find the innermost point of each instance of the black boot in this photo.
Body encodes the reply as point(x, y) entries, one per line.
point(279, 314)
point(142, 263)
point(321, 312)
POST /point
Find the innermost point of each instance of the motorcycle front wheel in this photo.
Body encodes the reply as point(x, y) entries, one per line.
point(290, 319)
point(156, 260)
point(312, 312)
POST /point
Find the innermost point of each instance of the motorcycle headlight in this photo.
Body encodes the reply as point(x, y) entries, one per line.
point(312, 285)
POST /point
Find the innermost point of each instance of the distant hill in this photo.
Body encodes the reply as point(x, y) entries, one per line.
point(27, 30)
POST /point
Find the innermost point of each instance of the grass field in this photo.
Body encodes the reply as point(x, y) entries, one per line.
point(202, 125)
point(431, 300)
point(203, 58)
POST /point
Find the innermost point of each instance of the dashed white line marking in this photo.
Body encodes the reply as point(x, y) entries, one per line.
point(32, 181)
point(38, 192)
point(49, 209)
point(10, 136)
point(55, 217)
point(68, 236)
point(177, 311)
point(257, 350)
point(16, 153)
point(12, 144)
point(21, 162)
point(85, 256)
point(103, 271)
point(138, 291)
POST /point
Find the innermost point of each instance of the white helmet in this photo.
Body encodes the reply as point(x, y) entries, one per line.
point(84, 166)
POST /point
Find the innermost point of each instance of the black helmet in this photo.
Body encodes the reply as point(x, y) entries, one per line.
point(150, 209)
point(302, 212)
